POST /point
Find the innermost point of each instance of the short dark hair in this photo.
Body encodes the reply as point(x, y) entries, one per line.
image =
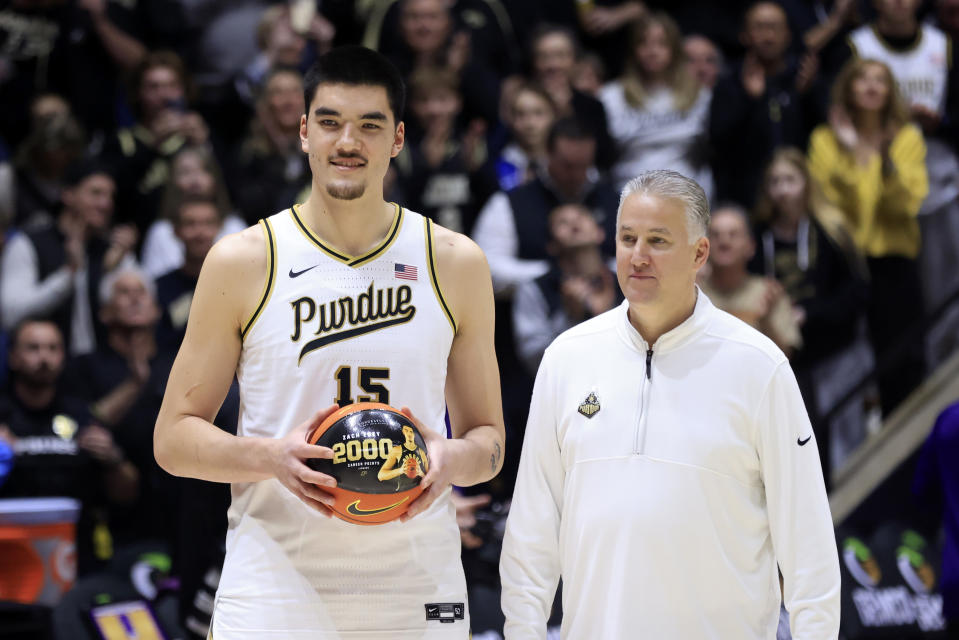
point(570, 128)
point(24, 323)
point(185, 200)
point(82, 169)
point(356, 65)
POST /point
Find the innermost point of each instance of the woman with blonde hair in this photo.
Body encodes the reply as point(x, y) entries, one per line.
point(657, 111)
point(870, 162)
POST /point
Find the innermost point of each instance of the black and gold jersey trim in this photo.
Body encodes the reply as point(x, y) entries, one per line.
point(270, 277)
point(348, 260)
point(433, 279)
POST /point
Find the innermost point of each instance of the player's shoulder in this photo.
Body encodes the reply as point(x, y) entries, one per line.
point(245, 250)
point(454, 248)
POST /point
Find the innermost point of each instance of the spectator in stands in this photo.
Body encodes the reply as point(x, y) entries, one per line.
point(513, 227)
point(870, 162)
point(589, 74)
point(54, 271)
point(443, 171)
point(919, 57)
point(606, 26)
point(59, 450)
point(764, 102)
point(196, 222)
point(486, 28)
point(656, 110)
point(271, 171)
point(283, 45)
point(530, 115)
point(824, 27)
point(54, 144)
point(195, 173)
point(141, 153)
point(435, 33)
point(804, 243)
point(578, 286)
point(553, 52)
point(123, 382)
point(704, 59)
point(936, 481)
point(759, 302)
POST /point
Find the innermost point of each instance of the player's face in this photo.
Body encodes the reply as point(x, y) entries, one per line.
point(38, 355)
point(408, 433)
point(350, 135)
point(656, 263)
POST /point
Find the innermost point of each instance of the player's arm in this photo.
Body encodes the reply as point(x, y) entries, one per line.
point(389, 471)
point(186, 442)
point(475, 453)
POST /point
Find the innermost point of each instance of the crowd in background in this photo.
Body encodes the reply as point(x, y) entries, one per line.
point(134, 134)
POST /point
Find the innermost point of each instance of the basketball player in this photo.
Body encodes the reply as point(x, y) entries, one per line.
point(668, 479)
point(406, 455)
point(344, 298)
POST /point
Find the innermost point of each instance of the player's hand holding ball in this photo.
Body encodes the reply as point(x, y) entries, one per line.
point(439, 474)
point(288, 461)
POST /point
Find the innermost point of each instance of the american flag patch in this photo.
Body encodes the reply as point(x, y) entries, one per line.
point(404, 271)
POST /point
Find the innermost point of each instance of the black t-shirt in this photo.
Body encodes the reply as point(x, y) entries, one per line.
point(174, 297)
point(95, 375)
point(47, 459)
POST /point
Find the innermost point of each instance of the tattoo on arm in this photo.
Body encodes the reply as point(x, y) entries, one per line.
point(495, 456)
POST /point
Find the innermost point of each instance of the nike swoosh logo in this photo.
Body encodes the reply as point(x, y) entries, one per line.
point(355, 510)
point(802, 442)
point(297, 274)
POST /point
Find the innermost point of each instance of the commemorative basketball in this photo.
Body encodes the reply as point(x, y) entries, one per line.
point(379, 460)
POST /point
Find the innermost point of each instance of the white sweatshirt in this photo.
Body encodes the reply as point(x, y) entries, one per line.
point(667, 511)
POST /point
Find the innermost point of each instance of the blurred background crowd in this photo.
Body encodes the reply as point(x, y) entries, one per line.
point(135, 133)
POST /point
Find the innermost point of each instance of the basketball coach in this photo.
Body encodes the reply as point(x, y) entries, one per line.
point(668, 466)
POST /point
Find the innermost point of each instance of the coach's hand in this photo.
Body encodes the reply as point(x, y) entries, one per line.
point(439, 473)
point(287, 460)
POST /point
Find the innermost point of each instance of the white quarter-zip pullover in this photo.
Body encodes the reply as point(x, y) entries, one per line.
point(667, 509)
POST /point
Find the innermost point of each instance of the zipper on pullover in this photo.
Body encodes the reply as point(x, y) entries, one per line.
point(640, 443)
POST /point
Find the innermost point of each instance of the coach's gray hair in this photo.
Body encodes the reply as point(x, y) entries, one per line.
point(670, 185)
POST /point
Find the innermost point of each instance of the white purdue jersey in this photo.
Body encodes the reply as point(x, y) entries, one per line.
point(337, 328)
point(921, 72)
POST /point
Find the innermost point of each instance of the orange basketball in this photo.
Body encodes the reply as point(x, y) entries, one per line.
point(376, 450)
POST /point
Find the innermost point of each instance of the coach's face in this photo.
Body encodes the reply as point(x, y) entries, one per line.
point(350, 135)
point(656, 260)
